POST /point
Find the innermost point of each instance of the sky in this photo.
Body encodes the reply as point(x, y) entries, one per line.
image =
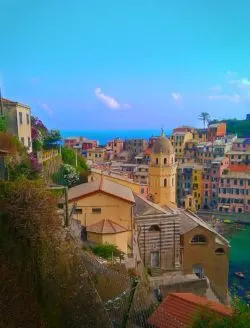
point(126, 64)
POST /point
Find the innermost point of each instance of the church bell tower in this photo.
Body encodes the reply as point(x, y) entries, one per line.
point(162, 172)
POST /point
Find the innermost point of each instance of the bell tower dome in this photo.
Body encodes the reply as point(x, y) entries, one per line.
point(162, 172)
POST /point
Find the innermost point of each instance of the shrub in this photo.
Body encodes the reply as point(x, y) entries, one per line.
point(107, 251)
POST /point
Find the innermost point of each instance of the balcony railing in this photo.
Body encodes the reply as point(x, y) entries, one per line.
point(45, 155)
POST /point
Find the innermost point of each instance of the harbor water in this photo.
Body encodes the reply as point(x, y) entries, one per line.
point(240, 262)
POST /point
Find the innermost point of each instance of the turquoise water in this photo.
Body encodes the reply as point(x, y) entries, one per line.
point(103, 136)
point(240, 261)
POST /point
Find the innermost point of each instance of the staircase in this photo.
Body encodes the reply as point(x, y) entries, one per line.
point(156, 272)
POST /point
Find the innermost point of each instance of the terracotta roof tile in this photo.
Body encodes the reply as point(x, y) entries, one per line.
point(106, 227)
point(239, 168)
point(182, 307)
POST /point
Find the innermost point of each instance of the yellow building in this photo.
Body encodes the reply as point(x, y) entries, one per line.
point(18, 121)
point(205, 253)
point(178, 141)
point(201, 135)
point(96, 155)
point(107, 231)
point(197, 185)
point(104, 209)
point(162, 172)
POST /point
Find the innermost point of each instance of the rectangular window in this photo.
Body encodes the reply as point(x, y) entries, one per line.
point(206, 193)
point(235, 182)
point(22, 140)
point(96, 210)
point(78, 211)
point(20, 117)
point(241, 182)
point(29, 142)
point(28, 118)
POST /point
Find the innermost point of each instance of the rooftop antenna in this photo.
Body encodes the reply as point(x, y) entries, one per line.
point(1, 103)
point(162, 131)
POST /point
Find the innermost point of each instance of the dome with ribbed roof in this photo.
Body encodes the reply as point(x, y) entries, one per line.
point(162, 145)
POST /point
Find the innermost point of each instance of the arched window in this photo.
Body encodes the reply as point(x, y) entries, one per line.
point(154, 228)
point(199, 271)
point(172, 182)
point(156, 161)
point(198, 239)
point(165, 183)
point(165, 161)
point(220, 251)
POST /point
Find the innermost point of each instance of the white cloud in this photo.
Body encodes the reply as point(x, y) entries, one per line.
point(47, 108)
point(216, 88)
point(109, 101)
point(243, 83)
point(176, 97)
point(232, 98)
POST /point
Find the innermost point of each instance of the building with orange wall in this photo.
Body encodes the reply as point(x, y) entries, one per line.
point(217, 130)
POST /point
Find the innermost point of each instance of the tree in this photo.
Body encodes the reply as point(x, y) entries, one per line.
point(205, 118)
point(205, 318)
point(67, 176)
point(70, 157)
point(44, 282)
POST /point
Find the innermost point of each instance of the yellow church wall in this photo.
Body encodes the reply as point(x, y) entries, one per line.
point(95, 237)
point(119, 239)
point(109, 207)
point(215, 266)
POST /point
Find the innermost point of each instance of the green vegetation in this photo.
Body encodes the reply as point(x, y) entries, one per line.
point(44, 282)
point(234, 126)
point(3, 123)
point(74, 169)
point(42, 138)
point(19, 163)
point(107, 251)
point(208, 319)
point(66, 176)
point(205, 118)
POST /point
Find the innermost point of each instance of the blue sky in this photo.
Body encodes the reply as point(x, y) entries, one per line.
point(127, 64)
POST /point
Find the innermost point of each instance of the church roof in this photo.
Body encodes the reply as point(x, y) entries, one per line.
point(162, 145)
point(106, 227)
point(189, 221)
point(144, 207)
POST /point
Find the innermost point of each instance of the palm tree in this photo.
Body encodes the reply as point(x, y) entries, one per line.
point(205, 118)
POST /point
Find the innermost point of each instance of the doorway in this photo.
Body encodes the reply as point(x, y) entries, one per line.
point(199, 271)
point(155, 259)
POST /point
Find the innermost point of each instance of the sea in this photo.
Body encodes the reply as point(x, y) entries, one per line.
point(240, 262)
point(103, 136)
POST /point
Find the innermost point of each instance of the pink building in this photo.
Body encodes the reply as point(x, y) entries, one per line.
point(89, 144)
point(241, 144)
point(116, 145)
point(73, 141)
point(211, 181)
point(234, 190)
